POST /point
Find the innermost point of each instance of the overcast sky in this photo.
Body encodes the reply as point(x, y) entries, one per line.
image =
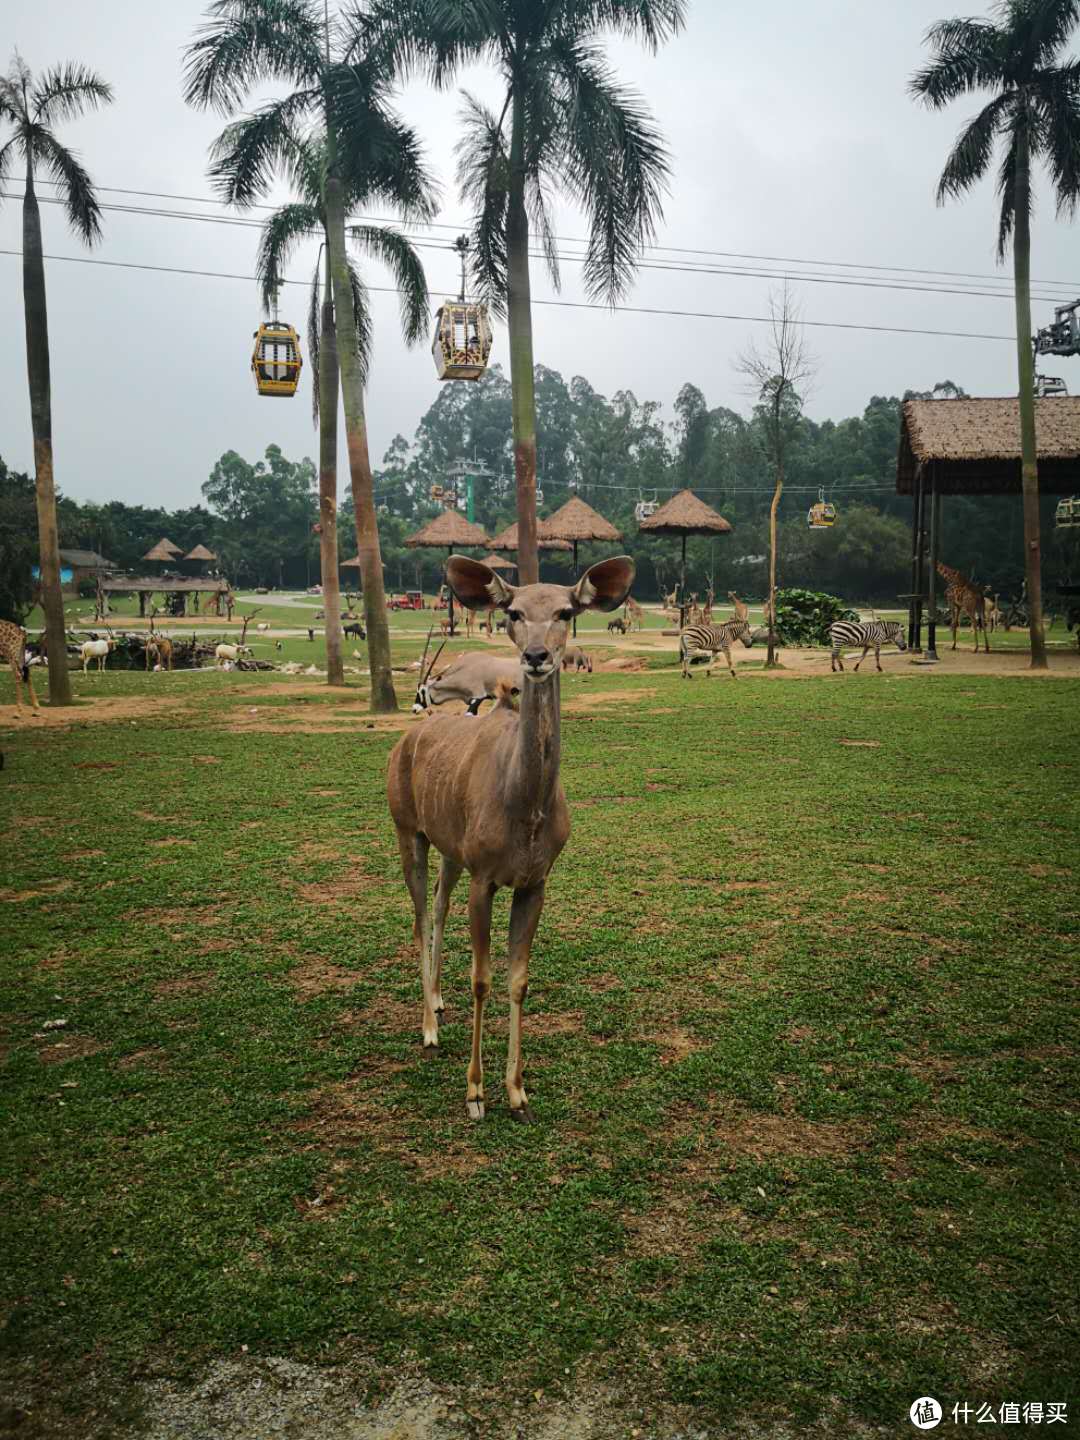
point(791, 135)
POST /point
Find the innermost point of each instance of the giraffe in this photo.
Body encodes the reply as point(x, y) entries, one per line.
point(962, 596)
point(13, 652)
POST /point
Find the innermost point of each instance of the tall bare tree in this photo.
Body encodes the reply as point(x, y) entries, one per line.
point(1035, 110)
point(778, 376)
point(32, 106)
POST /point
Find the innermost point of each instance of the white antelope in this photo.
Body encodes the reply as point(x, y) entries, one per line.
point(486, 793)
point(231, 653)
point(96, 650)
point(473, 678)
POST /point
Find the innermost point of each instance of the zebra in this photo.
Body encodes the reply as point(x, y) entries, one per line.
point(870, 634)
point(698, 640)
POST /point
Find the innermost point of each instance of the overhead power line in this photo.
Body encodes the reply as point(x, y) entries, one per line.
point(1072, 286)
point(869, 282)
point(558, 304)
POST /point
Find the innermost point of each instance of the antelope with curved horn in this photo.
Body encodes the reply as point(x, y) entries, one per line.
point(486, 793)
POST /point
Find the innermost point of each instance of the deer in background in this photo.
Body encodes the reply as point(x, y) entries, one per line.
point(487, 794)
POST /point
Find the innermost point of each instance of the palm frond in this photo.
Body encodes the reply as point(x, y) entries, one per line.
point(969, 55)
point(6, 152)
point(974, 148)
point(433, 38)
point(398, 255)
point(314, 336)
point(1057, 96)
point(1052, 23)
point(67, 91)
point(1006, 189)
point(652, 21)
point(365, 330)
point(246, 154)
point(245, 42)
point(483, 175)
point(280, 234)
point(380, 157)
point(540, 224)
point(75, 187)
point(617, 166)
point(14, 89)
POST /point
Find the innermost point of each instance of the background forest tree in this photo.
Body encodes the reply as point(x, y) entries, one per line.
point(259, 514)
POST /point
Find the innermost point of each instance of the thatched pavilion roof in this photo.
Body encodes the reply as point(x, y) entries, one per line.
point(578, 521)
point(685, 514)
point(496, 562)
point(163, 550)
point(508, 539)
point(973, 445)
point(200, 553)
point(448, 531)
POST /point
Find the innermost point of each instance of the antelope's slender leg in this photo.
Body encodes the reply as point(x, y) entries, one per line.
point(414, 856)
point(481, 894)
point(30, 686)
point(524, 918)
point(449, 874)
point(18, 686)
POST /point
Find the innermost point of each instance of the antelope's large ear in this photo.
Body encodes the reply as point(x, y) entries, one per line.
point(475, 585)
point(605, 586)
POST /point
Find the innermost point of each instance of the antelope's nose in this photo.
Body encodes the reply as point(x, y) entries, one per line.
point(536, 657)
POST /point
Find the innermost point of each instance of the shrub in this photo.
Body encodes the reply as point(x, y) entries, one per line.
point(803, 617)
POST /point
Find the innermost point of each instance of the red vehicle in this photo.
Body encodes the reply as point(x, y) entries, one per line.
point(411, 600)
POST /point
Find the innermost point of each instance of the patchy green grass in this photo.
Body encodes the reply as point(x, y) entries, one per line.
point(800, 1040)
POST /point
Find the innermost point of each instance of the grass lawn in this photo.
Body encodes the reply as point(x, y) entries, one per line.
point(800, 1038)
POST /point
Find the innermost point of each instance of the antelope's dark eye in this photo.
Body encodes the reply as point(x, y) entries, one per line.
point(513, 614)
point(565, 615)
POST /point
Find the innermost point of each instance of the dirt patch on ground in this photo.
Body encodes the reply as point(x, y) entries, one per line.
point(183, 985)
point(766, 1135)
point(74, 1047)
point(314, 976)
point(607, 697)
point(153, 1057)
point(865, 744)
point(39, 892)
point(103, 710)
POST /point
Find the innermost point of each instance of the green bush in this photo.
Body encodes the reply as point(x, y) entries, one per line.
point(803, 617)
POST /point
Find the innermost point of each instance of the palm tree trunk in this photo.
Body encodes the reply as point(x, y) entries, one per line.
point(1025, 365)
point(383, 699)
point(328, 537)
point(519, 317)
point(37, 369)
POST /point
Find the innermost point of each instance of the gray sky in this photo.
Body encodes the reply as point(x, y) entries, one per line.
point(792, 136)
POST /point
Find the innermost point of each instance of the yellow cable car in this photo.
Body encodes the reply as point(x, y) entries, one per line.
point(822, 514)
point(1067, 514)
point(463, 334)
point(275, 361)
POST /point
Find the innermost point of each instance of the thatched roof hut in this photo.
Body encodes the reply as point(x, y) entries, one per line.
point(163, 551)
point(685, 514)
point(448, 531)
point(496, 562)
point(200, 552)
point(972, 447)
point(579, 523)
point(508, 540)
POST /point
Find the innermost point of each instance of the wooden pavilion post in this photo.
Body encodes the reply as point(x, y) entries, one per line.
point(575, 578)
point(913, 596)
point(935, 537)
point(682, 587)
point(449, 593)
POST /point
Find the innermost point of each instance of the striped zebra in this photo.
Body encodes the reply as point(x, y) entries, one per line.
point(870, 634)
point(698, 640)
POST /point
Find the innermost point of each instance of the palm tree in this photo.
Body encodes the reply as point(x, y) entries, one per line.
point(566, 124)
point(282, 231)
point(343, 94)
point(33, 107)
point(1036, 112)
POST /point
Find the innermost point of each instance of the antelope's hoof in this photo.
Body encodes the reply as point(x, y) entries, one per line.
point(475, 1108)
point(523, 1115)
point(431, 1049)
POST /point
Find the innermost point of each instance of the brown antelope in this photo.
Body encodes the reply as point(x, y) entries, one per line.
point(486, 793)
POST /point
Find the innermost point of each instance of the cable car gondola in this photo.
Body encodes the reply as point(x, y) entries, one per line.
point(644, 509)
point(275, 361)
point(1067, 514)
point(463, 332)
point(822, 514)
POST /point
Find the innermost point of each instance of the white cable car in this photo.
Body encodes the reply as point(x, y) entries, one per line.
point(437, 493)
point(645, 508)
point(822, 514)
point(276, 361)
point(463, 334)
point(1067, 514)
point(1047, 386)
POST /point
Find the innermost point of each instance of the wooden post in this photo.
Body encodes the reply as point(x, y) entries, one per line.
point(575, 577)
point(916, 500)
point(935, 540)
point(449, 595)
point(682, 588)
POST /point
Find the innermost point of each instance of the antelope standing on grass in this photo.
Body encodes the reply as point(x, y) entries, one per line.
point(698, 641)
point(13, 654)
point(486, 793)
point(96, 650)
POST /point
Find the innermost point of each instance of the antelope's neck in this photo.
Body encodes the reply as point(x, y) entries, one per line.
point(534, 772)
